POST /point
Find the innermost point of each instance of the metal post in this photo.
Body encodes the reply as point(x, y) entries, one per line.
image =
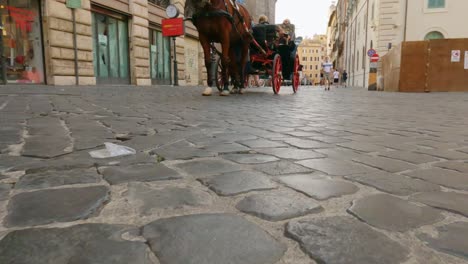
point(75, 48)
point(176, 77)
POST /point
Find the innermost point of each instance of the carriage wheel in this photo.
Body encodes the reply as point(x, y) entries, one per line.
point(277, 77)
point(218, 75)
point(295, 77)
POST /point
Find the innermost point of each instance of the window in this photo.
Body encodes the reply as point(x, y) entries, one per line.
point(311, 75)
point(162, 3)
point(311, 58)
point(316, 75)
point(316, 67)
point(435, 3)
point(434, 35)
point(304, 58)
point(311, 67)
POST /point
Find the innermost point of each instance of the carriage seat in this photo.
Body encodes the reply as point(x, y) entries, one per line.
point(265, 34)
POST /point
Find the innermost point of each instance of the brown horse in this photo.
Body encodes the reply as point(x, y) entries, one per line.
point(227, 23)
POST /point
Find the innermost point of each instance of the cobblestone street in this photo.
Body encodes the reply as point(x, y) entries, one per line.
point(342, 176)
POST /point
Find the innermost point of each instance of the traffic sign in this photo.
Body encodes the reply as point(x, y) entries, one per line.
point(173, 27)
point(371, 52)
point(375, 58)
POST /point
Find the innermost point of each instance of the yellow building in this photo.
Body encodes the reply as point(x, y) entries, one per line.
point(312, 52)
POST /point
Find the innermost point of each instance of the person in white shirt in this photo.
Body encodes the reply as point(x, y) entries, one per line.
point(327, 66)
point(336, 77)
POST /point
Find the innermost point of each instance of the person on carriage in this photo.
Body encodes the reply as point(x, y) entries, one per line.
point(263, 20)
point(288, 30)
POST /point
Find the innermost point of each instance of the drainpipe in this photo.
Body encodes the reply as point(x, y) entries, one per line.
point(365, 45)
point(406, 21)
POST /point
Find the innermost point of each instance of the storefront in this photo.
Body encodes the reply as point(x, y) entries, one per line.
point(22, 58)
point(110, 45)
point(160, 57)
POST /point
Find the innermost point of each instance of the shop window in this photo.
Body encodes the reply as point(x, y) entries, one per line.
point(111, 58)
point(21, 50)
point(160, 58)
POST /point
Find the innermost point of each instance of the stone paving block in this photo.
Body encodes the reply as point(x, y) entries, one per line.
point(386, 164)
point(334, 166)
point(451, 239)
point(138, 173)
point(181, 150)
point(281, 167)
point(408, 156)
point(393, 183)
point(394, 214)
point(58, 205)
point(57, 178)
point(344, 240)
point(340, 153)
point(291, 153)
point(307, 144)
point(226, 148)
point(262, 143)
point(46, 147)
point(447, 178)
point(362, 146)
point(302, 134)
point(445, 154)
point(4, 191)
point(449, 201)
point(84, 244)
point(453, 165)
point(318, 187)
point(233, 183)
point(203, 168)
point(250, 158)
point(211, 239)
point(330, 139)
point(168, 198)
point(277, 206)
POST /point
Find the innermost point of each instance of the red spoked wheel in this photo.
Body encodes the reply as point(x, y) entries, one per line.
point(277, 74)
point(295, 78)
point(218, 75)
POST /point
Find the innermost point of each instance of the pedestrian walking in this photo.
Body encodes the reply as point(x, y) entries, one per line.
point(336, 78)
point(344, 78)
point(327, 66)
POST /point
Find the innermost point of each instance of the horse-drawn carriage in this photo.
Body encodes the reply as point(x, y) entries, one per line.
point(272, 55)
point(229, 24)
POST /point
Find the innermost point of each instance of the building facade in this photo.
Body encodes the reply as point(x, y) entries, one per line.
point(312, 52)
point(261, 7)
point(117, 42)
point(383, 24)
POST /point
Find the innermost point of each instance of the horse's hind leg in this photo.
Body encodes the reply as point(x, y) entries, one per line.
point(207, 52)
point(243, 63)
point(233, 54)
point(225, 61)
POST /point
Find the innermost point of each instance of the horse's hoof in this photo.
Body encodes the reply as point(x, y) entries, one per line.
point(207, 92)
point(242, 91)
point(234, 91)
point(224, 93)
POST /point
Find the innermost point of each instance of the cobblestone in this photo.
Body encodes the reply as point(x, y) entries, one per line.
point(259, 154)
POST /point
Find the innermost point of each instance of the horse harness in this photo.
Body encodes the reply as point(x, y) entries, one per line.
point(230, 17)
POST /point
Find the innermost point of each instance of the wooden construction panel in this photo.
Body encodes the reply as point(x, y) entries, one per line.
point(443, 74)
point(414, 56)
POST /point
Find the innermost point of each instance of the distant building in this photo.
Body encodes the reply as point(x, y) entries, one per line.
point(262, 7)
point(312, 52)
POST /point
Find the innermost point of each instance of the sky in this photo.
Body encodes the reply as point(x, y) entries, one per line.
point(309, 16)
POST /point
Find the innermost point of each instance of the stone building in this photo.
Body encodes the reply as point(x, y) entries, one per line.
point(312, 52)
point(261, 7)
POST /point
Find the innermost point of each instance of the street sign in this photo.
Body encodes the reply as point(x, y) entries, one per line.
point(375, 58)
point(74, 3)
point(371, 52)
point(173, 27)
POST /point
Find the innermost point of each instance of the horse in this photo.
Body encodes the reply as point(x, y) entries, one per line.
point(227, 23)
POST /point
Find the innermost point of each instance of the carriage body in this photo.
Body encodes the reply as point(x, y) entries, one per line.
point(279, 61)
